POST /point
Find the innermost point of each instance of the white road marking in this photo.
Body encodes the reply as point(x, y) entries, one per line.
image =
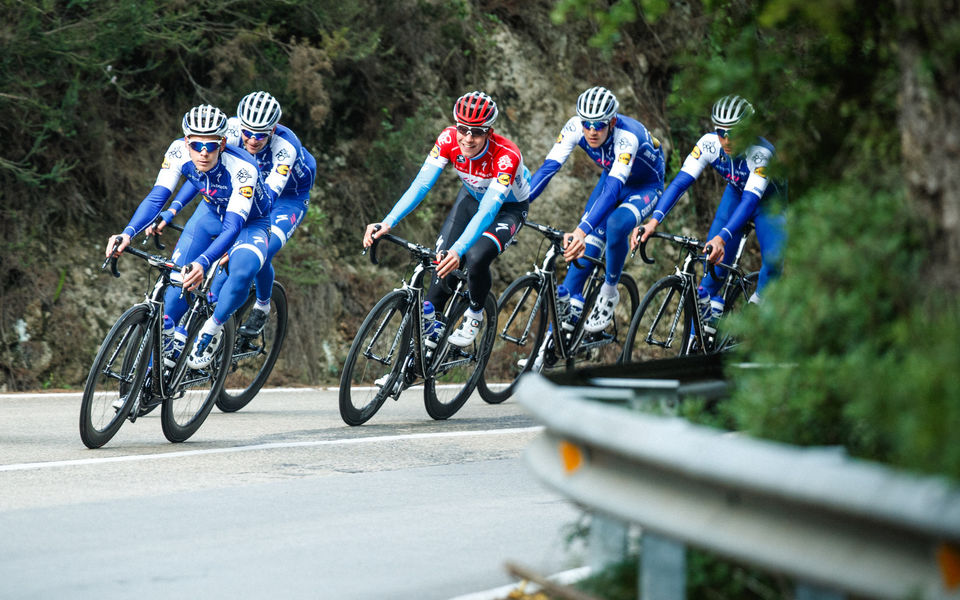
point(348, 441)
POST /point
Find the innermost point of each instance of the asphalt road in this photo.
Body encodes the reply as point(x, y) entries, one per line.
point(280, 500)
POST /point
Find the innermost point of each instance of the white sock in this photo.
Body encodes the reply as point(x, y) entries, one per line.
point(609, 291)
point(263, 307)
point(472, 314)
point(210, 326)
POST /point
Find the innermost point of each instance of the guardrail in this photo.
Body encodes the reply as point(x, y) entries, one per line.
point(836, 525)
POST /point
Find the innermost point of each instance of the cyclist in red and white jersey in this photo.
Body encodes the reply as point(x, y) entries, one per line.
point(488, 212)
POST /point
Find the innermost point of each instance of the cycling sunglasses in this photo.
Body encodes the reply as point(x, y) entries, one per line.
point(595, 125)
point(722, 132)
point(256, 135)
point(474, 131)
point(201, 146)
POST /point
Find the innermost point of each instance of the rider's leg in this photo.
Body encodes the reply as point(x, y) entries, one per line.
point(285, 217)
point(771, 227)
point(729, 202)
point(637, 204)
point(201, 228)
point(463, 210)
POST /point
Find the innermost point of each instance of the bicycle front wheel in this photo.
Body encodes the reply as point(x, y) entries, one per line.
point(660, 328)
point(254, 357)
point(372, 369)
point(605, 347)
point(116, 377)
point(187, 407)
point(521, 321)
point(456, 370)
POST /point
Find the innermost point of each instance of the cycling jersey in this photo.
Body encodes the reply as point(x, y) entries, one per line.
point(746, 177)
point(494, 177)
point(232, 190)
point(631, 156)
point(285, 165)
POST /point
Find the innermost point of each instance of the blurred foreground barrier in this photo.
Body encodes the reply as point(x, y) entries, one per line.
point(836, 525)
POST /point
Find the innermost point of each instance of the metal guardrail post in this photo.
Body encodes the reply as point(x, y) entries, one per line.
point(663, 568)
point(607, 541)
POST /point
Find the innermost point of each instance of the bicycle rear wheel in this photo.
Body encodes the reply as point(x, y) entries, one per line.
point(254, 357)
point(116, 377)
point(521, 322)
point(378, 350)
point(456, 370)
point(187, 407)
point(605, 347)
point(660, 328)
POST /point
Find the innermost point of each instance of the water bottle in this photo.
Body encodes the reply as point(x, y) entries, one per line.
point(179, 341)
point(429, 324)
point(716, 309)
point(563, 307)
point(575, 310)
point(167, 333)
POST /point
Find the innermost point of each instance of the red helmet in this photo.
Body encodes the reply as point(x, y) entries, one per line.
point(475, 109)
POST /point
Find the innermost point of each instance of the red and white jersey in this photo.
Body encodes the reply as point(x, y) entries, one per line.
point(497, 166)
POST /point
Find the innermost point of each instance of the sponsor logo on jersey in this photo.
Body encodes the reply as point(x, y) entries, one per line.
point(461, 159)
point(503, 227)
point(243, 175)
point(560, 137)
point(283, 154)
point(504, 178)
point(504, 163)
point(246, 191)
point(759, 159)
point(761, 171)
point(435, 152)
point(625, 158)
point(259, 240)
point(444, 137)
point(166, 163)
point(709, 147)
point(695, 152)
point(283, 169)
point(623, 143)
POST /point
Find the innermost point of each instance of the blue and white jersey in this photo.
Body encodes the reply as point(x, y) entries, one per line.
point(745, 173)
point(631, 156)
point(283, 162)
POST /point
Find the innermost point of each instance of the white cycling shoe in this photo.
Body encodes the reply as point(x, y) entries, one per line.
point(204, 350)
point(602, 313)
point(467, 332)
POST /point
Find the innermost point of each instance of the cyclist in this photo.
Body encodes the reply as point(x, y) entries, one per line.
point(749, 194)
point(287, 170)
point(628, 189)
point(234, 216)
point(489, 210)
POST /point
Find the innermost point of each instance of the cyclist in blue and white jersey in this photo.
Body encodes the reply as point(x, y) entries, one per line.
point(234, 216)
point(750, 195)
point(628, 189)
point(287, 170)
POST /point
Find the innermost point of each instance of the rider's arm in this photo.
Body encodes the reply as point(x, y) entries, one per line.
point(148, 210)
point(486, 212)
point(232, 224)
point(753, 190)
point(428, 175)
point(627, 144)
point(184, 196)
point(706, 151)
point(567, 140)
point(285, 149)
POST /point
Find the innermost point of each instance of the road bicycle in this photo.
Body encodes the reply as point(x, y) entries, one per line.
point(530, 304)
point(129, 377)
point(254, 356)
point(390, 352)
point(668, 322)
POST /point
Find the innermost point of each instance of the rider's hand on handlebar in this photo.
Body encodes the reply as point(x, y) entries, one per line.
point(192, 276)
point(373, 233)
point(574, 245)
point(716, 249)
point(157, 227)
point(642, 234)
point(447, 262)
point(124, 240)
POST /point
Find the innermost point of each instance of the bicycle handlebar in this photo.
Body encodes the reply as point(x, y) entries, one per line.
point(156, 238)
point(691, 244)
point(556, 237)
point(421, 253)
point(153, 259)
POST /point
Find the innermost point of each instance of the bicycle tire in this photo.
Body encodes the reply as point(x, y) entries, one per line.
point(245, 375)
point(185, 409)
point(360, 397)
point(458, 369)
point(521, 323)
point(614, 335)
point(655, 325)
point(127, 344)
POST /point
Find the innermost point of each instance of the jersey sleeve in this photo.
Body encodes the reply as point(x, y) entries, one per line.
point(424, 181)
point(625, 144)
point(172, 166)
point(706, 150)
point(284, 155)
point(758, 159)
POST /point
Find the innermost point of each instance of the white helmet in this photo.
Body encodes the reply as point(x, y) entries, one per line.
point(258, 111)
point(205, 120)
point(730, 110)
point(597, 104)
